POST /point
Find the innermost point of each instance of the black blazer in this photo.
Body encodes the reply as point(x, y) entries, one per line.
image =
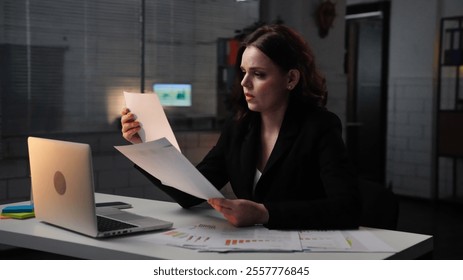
point(307, 182)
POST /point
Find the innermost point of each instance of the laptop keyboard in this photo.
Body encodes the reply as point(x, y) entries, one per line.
point(106, 224)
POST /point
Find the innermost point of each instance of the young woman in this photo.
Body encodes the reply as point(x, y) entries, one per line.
point(282, 151)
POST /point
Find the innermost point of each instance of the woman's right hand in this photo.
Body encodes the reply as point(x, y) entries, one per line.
point(130, 127)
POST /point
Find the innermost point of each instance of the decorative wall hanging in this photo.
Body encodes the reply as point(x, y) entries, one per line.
point(325, 15)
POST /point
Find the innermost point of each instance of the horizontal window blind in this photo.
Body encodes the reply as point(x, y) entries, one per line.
point(60, 58)
point(65, 63)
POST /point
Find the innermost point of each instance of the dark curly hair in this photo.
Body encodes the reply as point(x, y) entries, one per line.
point(288, 50)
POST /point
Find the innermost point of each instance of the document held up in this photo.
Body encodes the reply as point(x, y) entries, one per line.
point(159, 154)
point(162, 160)
point(149, 112)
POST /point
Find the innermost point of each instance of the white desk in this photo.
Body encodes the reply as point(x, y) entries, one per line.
point(39, 236)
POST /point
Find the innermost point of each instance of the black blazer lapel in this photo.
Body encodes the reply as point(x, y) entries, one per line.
point(248, 159)
point(288, 133)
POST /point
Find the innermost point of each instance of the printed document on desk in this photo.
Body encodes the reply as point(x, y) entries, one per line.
point(359, 240)
point(149, 112)
point(227, 238)
point(162, 160)
point(223, 237)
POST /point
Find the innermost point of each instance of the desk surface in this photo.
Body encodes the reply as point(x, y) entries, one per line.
point(39, 236)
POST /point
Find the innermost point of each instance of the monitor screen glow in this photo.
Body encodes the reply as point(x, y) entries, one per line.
point(177, 95)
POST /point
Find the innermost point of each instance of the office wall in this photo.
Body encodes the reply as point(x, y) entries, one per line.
point(412, 86)
point(414, 26)
point(99, 42)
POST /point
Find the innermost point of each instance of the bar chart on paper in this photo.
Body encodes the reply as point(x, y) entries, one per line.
point(228, 238)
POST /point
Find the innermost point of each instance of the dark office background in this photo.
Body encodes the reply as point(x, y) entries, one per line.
point(64, 65)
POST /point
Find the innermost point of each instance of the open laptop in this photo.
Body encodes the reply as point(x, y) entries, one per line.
point(63, 192)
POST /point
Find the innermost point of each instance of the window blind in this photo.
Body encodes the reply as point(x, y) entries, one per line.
point(65, 63)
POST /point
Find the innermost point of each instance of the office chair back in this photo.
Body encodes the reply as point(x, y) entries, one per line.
point(380, 206)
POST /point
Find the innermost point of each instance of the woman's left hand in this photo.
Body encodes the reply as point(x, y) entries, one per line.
point(240, 212)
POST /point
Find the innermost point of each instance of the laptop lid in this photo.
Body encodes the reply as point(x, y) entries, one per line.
point(63, 190)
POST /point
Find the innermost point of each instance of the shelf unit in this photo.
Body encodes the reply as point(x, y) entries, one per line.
point(227, 49)
point(449, 104)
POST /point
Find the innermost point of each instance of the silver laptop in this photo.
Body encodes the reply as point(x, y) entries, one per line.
point(63, 192)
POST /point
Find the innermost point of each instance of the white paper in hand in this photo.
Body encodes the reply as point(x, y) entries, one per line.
point(163, 161)
point(149, 112)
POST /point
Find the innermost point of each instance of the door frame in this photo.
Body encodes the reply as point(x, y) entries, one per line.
point(362, 11)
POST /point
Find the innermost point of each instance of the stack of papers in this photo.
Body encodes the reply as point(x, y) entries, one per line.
point(18, 212)
point(226, 238)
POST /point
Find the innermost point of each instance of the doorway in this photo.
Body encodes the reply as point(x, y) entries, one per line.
point(367, 37)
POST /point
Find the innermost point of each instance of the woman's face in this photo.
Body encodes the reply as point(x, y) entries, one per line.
point(264, 85)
